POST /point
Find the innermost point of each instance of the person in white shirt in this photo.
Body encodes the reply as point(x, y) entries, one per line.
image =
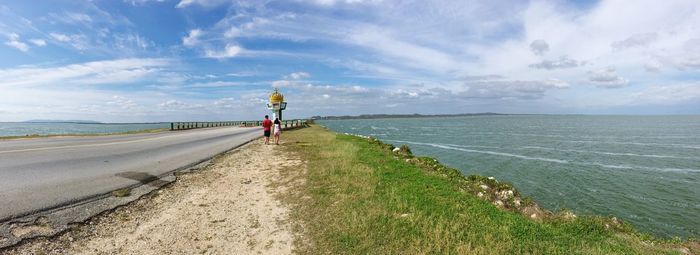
point(278, 131)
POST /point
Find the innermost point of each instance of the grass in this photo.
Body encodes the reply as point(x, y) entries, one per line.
point(145, 131)
point(359, 197)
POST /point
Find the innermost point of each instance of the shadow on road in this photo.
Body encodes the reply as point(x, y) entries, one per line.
point(144, 178)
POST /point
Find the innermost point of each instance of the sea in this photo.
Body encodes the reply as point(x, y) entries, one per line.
point(48, 128)
point(644, 170)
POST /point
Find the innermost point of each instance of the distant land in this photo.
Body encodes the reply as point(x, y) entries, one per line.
point(390, 116)
point(65, 121)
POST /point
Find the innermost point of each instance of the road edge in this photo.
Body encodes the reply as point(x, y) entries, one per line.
point(56, 220)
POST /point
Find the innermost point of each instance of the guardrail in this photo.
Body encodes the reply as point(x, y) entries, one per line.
point(286, 124)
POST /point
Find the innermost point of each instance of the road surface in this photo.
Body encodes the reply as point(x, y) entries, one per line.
point(37, 174)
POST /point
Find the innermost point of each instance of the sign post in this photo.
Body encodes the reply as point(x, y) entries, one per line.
point(276, 104)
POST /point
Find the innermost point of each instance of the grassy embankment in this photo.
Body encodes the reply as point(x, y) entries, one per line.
point(145, 131)
point(359, 197)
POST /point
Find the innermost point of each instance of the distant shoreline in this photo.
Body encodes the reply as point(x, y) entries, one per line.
point(408, 116)
point(82, 122)
point(33, 136)
point(415, 115)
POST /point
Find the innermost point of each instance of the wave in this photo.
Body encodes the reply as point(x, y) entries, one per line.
point(490, 152)
point(581, 136)
point(608, 153)
point(559, 161)
point(672, 145)
point(648, 168)
point(383, 128)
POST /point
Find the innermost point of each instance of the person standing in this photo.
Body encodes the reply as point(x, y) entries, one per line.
point(266, 124)
point(278, 130)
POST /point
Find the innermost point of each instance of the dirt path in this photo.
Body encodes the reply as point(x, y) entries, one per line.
point(227, 208)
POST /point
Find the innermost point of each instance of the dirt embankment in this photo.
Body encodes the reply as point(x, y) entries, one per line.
point(228, 208)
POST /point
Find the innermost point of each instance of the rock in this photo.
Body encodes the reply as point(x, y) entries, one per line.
point(491, 178)
point(516, 202)
point(684, 250)
point(569, 215)
point(412, 160)
point(504, 194)
point(498, 203)
point(480, 194)
point(404, 215)
point(533, 216)
point(396, 149)
point(483, 186)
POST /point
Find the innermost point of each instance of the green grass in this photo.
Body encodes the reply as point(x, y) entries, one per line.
point(145, 131)
point(357, 197)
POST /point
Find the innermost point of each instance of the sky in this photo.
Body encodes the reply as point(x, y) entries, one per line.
point(209, 60)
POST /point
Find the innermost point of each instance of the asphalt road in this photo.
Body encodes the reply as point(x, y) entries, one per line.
point(36, 174)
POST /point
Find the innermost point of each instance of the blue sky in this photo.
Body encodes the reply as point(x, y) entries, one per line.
point(176, 60)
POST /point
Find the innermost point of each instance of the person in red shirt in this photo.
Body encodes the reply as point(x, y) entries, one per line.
point(266, 124)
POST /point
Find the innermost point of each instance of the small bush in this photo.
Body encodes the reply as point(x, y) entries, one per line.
point(405, 150)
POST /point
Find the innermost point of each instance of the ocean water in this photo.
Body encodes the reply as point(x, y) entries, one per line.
point(24, 128)
point(642, 169)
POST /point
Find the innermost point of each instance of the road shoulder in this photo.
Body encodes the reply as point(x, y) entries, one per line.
point(230, 207)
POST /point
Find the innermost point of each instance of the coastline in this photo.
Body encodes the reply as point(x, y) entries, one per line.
point(625, 167)
point(504, 195)
point(410, 202)
point(344, 194)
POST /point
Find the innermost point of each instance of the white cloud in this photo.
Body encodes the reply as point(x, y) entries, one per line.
point(77, 41)
point(562, 62)
point(216, 84)
point(192, 38)
point(204, 3)
point(78, 17)
point(72, 18)
point(652, 66)
point(60, 37)
point(637, 40)
point(335, 2)
point(229, 51)
point(403, 52)
point(122, 102)
point(297, 75)
point(606, 78)
point(128, 41)
point(18, 45)
point(97, 72)
point(691, 63)
point(142, 2)
point(232, 32)
point(13, 41)
point(669, 94)
point(496, 87)
point(38, 42)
